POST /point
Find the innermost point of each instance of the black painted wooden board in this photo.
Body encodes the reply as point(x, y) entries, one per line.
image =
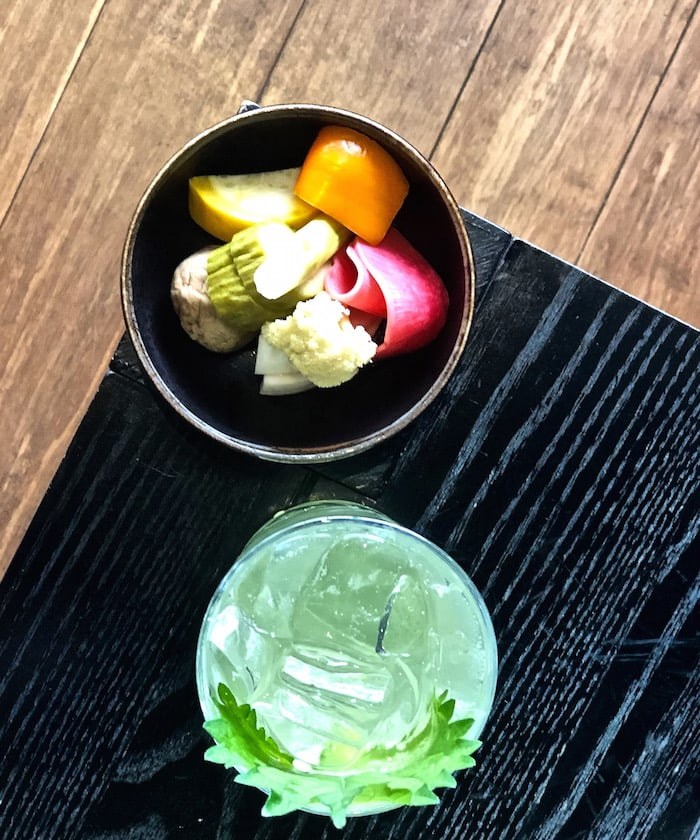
point(561, 467)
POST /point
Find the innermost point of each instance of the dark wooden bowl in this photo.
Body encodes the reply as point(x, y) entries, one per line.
point(219, 393)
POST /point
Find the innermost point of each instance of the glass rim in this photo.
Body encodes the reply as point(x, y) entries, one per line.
point(374, 523)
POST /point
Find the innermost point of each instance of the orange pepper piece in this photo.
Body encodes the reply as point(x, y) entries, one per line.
point(351, 178)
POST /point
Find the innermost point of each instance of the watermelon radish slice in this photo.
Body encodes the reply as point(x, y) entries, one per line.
point(349, 282)
point(370, 322)
point(415, 297)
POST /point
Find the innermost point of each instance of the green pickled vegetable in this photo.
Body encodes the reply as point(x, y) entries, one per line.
point(277, 260)
point(235, 297)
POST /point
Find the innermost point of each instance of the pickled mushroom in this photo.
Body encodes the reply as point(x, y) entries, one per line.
point(198, 317)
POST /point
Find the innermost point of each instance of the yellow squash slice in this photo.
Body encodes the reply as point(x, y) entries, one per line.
point(225, 204)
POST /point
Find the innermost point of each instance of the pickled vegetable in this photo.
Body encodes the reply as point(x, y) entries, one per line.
point(353, 179)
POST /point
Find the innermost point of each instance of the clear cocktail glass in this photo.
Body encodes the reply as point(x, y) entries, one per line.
point(345, 665)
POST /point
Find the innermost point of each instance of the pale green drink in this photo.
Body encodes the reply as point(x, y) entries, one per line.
point(347, 635)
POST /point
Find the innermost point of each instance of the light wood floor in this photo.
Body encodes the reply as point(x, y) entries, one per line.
point(575, 125)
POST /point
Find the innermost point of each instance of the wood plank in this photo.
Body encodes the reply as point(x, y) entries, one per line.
point(40, 44)
point(656, 199)
point(400, 64)
point(150, 77)
point(548, 114)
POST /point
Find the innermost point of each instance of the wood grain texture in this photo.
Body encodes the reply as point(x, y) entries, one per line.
point(109, 587)
point(655, 198)
point(398, 63)
point(550, 110)
point(564, 477)
point(40, 45)
point(139, 92)
point(576, 526)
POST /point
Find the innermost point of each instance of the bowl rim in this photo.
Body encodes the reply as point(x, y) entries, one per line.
point(290, 454)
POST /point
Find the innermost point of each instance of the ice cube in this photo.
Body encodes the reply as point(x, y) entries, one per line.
point(403, 628)
point(334, 673)
point(357, 672)
point(239, 654)
point(346, 595)
point(266, 590)
point(306, 726)
point(327, 696)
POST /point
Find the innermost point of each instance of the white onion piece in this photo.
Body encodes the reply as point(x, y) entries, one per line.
point(280, 384)
point(271, 360)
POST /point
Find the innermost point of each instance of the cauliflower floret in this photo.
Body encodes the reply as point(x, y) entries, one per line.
point(321, 342)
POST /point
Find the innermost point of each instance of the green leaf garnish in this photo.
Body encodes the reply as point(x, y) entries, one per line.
point(380, 776)
point(240, 741)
